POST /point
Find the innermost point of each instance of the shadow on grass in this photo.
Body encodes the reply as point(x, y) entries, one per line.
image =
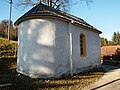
point(44, 84)
point(7, 66)
point(8, 74)
point(76, 81)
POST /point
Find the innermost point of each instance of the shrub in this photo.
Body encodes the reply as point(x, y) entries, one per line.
point(106, 57)
point(117, 55)
point(8, 48)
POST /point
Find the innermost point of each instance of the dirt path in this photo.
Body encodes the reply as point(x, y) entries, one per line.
point(110, 81)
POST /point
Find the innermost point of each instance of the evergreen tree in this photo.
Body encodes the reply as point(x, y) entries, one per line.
point(116, 38)
point(110, 43)
point(102, 41)
point(105, 42)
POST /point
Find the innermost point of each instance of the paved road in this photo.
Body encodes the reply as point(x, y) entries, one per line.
point(110, 81)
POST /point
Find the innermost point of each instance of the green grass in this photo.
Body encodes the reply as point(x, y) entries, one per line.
point(8, 48)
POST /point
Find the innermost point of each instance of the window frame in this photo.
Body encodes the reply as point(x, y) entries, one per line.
point(82, 44)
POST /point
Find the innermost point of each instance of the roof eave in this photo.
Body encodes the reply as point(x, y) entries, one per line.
point(21, 19)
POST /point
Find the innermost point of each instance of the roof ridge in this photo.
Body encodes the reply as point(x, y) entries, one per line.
point(44, 10)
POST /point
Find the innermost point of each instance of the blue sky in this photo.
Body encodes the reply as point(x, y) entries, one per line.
point(102, 14)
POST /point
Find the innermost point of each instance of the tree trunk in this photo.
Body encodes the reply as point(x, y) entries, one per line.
point(50, 3)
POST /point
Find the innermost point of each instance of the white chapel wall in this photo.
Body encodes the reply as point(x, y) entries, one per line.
point(43, 47)
point(92, 57)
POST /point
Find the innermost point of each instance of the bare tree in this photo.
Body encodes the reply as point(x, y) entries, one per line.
point(57, 4)
point(4, 29)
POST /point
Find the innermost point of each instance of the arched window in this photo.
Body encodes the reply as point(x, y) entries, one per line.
point(82, 45)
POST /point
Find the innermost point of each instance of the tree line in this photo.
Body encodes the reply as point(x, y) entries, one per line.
point(114, 41)
point(4, 30)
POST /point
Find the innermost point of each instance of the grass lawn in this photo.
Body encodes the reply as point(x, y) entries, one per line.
point(75, 82)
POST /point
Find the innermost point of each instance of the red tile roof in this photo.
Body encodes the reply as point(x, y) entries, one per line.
point(109, 50)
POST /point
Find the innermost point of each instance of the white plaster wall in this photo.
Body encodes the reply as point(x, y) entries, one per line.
point(43, 48)
point(92, 57)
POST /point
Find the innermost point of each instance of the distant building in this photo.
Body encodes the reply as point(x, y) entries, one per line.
point(109, 50)
point(52, 43)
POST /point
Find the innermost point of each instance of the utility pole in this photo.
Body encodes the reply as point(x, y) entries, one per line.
point(9, 25)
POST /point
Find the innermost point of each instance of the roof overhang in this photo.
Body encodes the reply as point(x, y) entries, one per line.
point(43, 11)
